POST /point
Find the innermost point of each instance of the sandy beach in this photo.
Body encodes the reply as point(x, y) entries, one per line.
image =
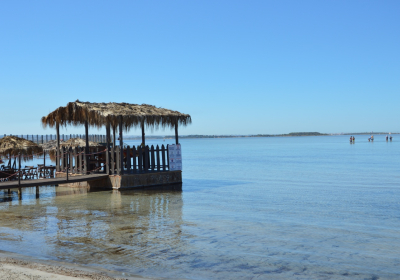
point(14, 266)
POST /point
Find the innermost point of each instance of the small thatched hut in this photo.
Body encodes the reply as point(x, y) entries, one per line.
point(113, 115)
point(13, 145)
point(100, 114)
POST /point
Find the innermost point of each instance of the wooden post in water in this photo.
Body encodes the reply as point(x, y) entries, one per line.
point(37, 192)
point(58, 148)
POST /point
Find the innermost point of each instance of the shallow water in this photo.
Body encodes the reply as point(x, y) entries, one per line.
point(250, 208)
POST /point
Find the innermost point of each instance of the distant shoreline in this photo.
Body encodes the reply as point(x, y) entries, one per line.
point(292, 134)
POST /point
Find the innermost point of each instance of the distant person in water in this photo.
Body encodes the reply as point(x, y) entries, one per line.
point(369, 139)
point(390, 138)
point(351, 139)
point(354, 139)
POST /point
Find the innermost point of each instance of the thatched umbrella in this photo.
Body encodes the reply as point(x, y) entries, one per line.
point(78, 142)
point(13, 145)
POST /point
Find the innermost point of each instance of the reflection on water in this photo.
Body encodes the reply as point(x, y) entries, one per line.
point(113, 229)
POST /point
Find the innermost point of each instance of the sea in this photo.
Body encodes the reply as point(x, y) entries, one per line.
point(312, 207)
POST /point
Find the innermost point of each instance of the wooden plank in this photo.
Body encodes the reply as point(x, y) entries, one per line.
point(163, 156)
point(134, 158)
point(152, 166)
point(128, 159)
point(146, 159)
point(140, 159)
point(167, 157)
point(158, 158)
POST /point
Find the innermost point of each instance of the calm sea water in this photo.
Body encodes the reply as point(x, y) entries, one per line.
point(250, 208)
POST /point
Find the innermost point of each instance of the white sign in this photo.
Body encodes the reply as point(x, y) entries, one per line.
point(175, 157)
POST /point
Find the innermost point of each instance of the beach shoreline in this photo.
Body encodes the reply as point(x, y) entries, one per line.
point(20, 267)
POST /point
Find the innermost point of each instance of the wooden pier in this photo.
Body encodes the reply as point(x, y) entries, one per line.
point(51, 181)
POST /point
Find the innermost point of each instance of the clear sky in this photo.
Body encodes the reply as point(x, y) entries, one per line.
point(237, 67)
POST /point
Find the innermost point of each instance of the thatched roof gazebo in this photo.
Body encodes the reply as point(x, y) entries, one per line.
point(122, 115)
point(14, 146)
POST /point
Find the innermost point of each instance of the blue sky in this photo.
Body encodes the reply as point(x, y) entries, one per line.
point(237, 67)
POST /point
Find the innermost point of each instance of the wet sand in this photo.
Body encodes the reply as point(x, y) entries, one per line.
point(16, 266)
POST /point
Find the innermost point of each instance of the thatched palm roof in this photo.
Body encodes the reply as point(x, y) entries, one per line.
point(99, 114)
point(12, 145)
point(71, 143)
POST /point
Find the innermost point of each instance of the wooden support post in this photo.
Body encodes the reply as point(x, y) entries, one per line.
point(9, 191)
point(67, 164)
point(42, 139)
point(176, 133)
point(114, 136)
point(71, 160)
point(128, 159)
point(143, 135)
point(19, 193)
point(85, 163)
point(163, 156)
point(108, 148)
point(19, 169)
point(58, 148)
point(121, 144)
point(87, 147)
point(44, 158)
point(146, 158)
point(37, 192)
point(118, 159)
point(113, 160)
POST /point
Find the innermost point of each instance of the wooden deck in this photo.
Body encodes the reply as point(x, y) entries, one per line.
point(52, 181)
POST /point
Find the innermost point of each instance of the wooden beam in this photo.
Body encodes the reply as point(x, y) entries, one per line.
point(143, 138)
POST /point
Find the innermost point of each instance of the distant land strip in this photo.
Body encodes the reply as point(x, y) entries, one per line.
point(292, 134)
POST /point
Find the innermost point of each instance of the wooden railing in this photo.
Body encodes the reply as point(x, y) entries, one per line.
point(41, 139)
point(134, 160)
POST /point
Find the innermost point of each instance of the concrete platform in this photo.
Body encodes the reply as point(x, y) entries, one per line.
point(131, 181)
